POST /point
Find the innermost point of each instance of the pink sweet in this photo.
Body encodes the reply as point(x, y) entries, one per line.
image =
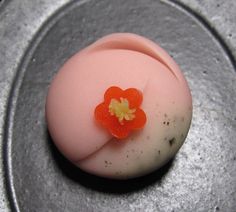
point(127, 61)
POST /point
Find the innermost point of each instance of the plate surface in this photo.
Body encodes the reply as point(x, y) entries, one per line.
point(202, 175)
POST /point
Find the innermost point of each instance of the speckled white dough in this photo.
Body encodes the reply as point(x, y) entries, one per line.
point(124, 60)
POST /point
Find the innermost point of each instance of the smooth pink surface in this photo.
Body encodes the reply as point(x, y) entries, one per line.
point(124, 60)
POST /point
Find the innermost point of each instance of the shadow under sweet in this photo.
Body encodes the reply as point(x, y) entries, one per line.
point(100, 184)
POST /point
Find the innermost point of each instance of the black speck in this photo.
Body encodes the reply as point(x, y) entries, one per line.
point(234, 158)
point(230, 35)
point(204, 72)
point(159, 152)
point(107, 163)
point(164, 122)
point(127, 156)
point(182, 135)
point(217, 208)
point(168, 123)
point(172, 141)
point(218, 5)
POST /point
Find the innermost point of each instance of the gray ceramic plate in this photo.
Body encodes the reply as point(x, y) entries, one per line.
point(202, 175)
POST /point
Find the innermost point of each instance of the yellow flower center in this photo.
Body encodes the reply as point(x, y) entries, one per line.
point(121, 110)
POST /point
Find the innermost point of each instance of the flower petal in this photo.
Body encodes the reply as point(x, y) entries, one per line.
point(134, 97)
point(112, 93)
point(102, 114)
point(119, 131)
point(139, 121)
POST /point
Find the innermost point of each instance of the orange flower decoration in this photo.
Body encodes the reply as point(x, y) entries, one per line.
point(120, 112)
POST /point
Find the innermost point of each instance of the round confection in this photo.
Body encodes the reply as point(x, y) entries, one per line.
point(127, 61)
